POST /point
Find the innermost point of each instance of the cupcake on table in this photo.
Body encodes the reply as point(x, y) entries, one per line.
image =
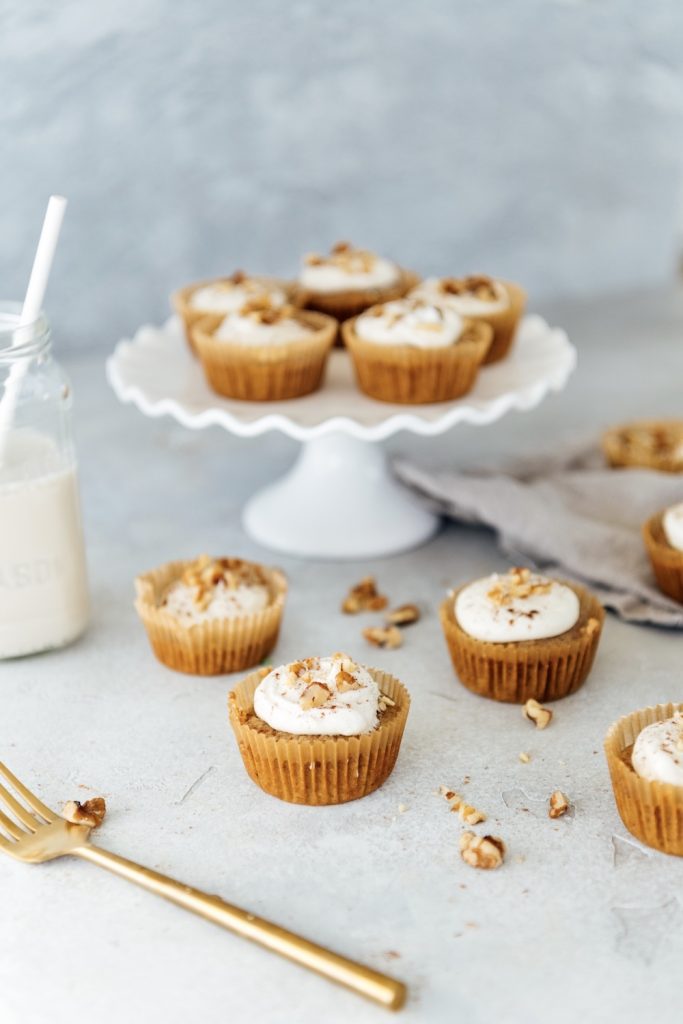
point(646, 444)
point(480, 298)
point(663, 536)
point(520, 635)
point(415, 351)
point(349, 280)
point(645, 757)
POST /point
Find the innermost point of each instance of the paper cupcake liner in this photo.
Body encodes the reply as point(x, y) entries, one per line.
point(543, 669)
point(318, 770)
point(620, 455)
point(208, 648)
point(504, 323)
point(343, 305)
point(407, 375)
point(180, 301)
point(651, 811)
point(667, 562)
point(265, 373)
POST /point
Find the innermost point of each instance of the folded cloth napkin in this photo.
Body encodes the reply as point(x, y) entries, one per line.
point(569, 515)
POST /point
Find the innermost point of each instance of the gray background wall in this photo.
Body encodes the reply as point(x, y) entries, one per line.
point(539, 139)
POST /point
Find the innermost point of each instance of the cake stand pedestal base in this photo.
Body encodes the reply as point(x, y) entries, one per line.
point(339, 501)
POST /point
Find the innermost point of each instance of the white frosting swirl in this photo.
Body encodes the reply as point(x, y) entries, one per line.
point(658, 751)
point(672, 524)
point(519, 605)
point(434, 289)
point(348, 269)
point(341, 707)
point(248, 329)
point(229, 297)
point(410, 322)
point(181, 601)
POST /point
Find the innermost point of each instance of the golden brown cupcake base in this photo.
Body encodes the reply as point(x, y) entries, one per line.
point(265, 373)
point(651, 811)
point(667, 562)
point(504, 323)
point(318, 770)
point(645, 444)
point(414, 376)
point(213, 647)
point(190, 316)
point(343, 305)
point(513, 672)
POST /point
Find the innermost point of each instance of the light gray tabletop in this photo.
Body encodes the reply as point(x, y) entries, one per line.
point(580, 923)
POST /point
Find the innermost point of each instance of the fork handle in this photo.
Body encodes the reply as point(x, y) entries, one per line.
point(386, 991)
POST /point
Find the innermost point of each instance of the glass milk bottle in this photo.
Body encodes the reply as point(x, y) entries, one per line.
point(43, 584)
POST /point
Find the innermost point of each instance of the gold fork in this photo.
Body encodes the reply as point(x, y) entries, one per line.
point(31, 832)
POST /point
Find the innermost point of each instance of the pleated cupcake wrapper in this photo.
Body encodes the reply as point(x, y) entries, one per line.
point(651, 811)
point(319, 770)
point(504, 323)
point(213, 647)
point(407, 375)
point(619, 456)
point(667, 562)
point(343, 305)
point(265, 373)
point(190, 316)
point(543, 669)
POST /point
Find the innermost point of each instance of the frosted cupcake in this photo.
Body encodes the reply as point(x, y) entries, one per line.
point(481, 299)
point(223, 295)
point(264, 353)
point(663, 536)
point(648, 444)
point(521, 635)
point(645, 757)
point(319, 731)
point(412, 351)
point(211, 615)
point(350, 280)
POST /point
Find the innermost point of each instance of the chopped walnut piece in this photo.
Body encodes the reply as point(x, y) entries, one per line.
point(315, 695)
point(385, 702)
point(524, 757)
point(238, 277)
point(379, 636)
point(404, 615)
point(558, 804)
point(591, 626)
point(205, 573)
point(90, 812)
point(345, 681)
point(537, 714)
point(364, 597)
point(517, 583)
point(485, 852)
point(466, 812)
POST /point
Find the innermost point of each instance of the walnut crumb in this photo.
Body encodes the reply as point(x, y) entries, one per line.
point(591, 627)
point(379, 636)
point(90, 812)
point(404, 615)
point(524, 757)
point(345, 681)
point(364, 597)
point(466, 812)
point(315, 695)
point(517, 583)
point(558, 804)
point(385, 702)
point(537, 714)
point(486, 852)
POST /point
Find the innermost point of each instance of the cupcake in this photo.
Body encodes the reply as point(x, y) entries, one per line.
point(481, 299)
point(319, 731)
point(645, 757)
point(212, 615)
point(412, 351)
point(350, 280)
point(648, 444)
point(263, 353)
point(663, 536)
point(224, 295)
point(520, 635)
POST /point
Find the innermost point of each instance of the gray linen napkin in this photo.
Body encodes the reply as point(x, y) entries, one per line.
point(572, 516)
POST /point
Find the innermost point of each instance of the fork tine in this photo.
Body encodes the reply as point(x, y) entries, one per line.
point(11, 827)
point(20, 812)
point(28, 796)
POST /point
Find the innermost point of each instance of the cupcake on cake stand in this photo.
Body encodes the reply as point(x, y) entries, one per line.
point(340, 499)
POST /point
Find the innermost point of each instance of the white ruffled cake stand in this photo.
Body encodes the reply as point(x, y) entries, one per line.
point(340, 499)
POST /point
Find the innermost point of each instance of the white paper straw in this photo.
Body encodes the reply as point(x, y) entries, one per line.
point(33, 304)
